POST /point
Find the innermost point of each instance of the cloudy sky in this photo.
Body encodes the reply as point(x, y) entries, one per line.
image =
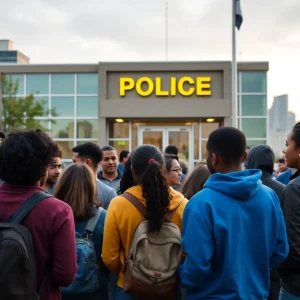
point(88, 31)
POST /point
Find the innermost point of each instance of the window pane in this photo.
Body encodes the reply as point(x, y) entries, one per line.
point(134, 135)
point(196, 141)
point(87, 84)
point(87, 129)
point(120, 145)
point(118, 130)
point(203, 150)
point(62, 84)
point(64, 106)
point(37, 84)
point(207, 128)
point(254, 143)
point(87, 106)
point(254, 105)
point(19, 80)
point(67, 148)
point(62, 129)
point(44, 125)
point(45, 102)
point(254, 127)
point(78, 142)
point(254, 82)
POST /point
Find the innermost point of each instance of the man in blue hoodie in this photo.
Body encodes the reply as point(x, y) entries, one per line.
point(237, 224)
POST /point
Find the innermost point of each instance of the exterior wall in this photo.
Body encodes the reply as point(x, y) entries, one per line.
point(111, 105)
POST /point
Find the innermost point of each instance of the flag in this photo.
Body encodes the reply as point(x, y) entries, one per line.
point(238, 14)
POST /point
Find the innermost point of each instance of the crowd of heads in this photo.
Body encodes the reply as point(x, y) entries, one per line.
point(31, 156)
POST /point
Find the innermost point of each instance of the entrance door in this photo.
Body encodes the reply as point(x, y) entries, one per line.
point(161, 137)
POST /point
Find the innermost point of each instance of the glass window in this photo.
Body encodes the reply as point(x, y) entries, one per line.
point(78, 142)
point(62, 84)
point(37, 84)
point(134, 135)
point(207, 128)
point(118, 130)
point(196, 140)
point(87, 84)
point(18, 79)
point(203, 149)
point(120, 145)
point(67, 147)
point(45, 103)
point(253, 143)
point(255, 127)
point(63, 106)
point(254, 82)
point(87, 129)
point(254, 105)
point(63, 129)
point(87, 106)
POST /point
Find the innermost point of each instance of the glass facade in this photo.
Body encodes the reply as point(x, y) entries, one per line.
point(70, 106)
point(252, 106)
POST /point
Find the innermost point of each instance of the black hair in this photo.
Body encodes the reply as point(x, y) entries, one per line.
point(123, 154)
point(24, 156)
point(127, 180)
point(173, 150)
point(281, 161)
point(2, 135)
point(169, 160)
point(89, 151)
point(228, 143)
point(109, 148)
point(147, 164)
point(296, 134)
point(57, 151)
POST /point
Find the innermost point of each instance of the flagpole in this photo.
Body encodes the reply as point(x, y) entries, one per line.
point(234, 69)
point(166, 47)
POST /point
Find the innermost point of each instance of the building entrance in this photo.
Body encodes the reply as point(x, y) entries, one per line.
point(162, 136)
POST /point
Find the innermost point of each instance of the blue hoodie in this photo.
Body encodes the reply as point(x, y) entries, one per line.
point(233, 233)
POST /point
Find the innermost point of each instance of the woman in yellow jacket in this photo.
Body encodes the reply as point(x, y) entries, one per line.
point(149, 186)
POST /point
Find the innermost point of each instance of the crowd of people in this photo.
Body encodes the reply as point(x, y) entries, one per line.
point(141, 225)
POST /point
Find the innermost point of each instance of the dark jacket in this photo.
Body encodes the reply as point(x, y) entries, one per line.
point(262, 157)
point(290, 269)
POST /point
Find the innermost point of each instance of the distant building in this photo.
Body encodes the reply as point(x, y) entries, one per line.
point(8, 55)
point(281, 121)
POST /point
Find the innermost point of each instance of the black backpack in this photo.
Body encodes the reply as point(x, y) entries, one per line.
point(17, 260)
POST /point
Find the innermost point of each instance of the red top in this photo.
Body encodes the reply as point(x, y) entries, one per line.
point(51, 224)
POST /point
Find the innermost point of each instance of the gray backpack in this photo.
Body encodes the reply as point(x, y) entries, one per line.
point(150, 270)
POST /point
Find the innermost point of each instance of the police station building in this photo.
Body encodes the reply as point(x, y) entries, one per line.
point(129, 104)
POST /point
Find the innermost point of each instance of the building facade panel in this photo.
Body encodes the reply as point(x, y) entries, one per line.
point(128, 104)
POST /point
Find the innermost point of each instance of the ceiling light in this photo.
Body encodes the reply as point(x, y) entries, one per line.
point(210, 120)
point(119, 120)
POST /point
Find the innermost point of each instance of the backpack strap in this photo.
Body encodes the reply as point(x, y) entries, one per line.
point(27, 206)
point(134, 201)
point(142, 209)
point(91, 225)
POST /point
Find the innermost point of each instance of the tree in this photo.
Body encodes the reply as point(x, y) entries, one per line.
point(20, 112)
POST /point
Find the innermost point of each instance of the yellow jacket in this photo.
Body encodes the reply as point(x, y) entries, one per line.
point(121, 221)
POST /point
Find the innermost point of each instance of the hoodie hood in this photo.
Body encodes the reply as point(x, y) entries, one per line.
point(238, 185)
point(261, 157)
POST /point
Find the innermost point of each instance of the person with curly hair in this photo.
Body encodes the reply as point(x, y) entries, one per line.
point(25, 156)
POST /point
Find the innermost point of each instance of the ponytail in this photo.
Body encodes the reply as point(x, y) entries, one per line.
point(156, 193)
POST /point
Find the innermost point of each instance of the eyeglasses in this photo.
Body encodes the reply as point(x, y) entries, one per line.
point(177, 170)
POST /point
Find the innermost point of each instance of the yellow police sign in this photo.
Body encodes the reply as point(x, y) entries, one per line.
point(185, 86)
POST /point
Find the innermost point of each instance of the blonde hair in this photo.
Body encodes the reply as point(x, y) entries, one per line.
point(77, 187)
